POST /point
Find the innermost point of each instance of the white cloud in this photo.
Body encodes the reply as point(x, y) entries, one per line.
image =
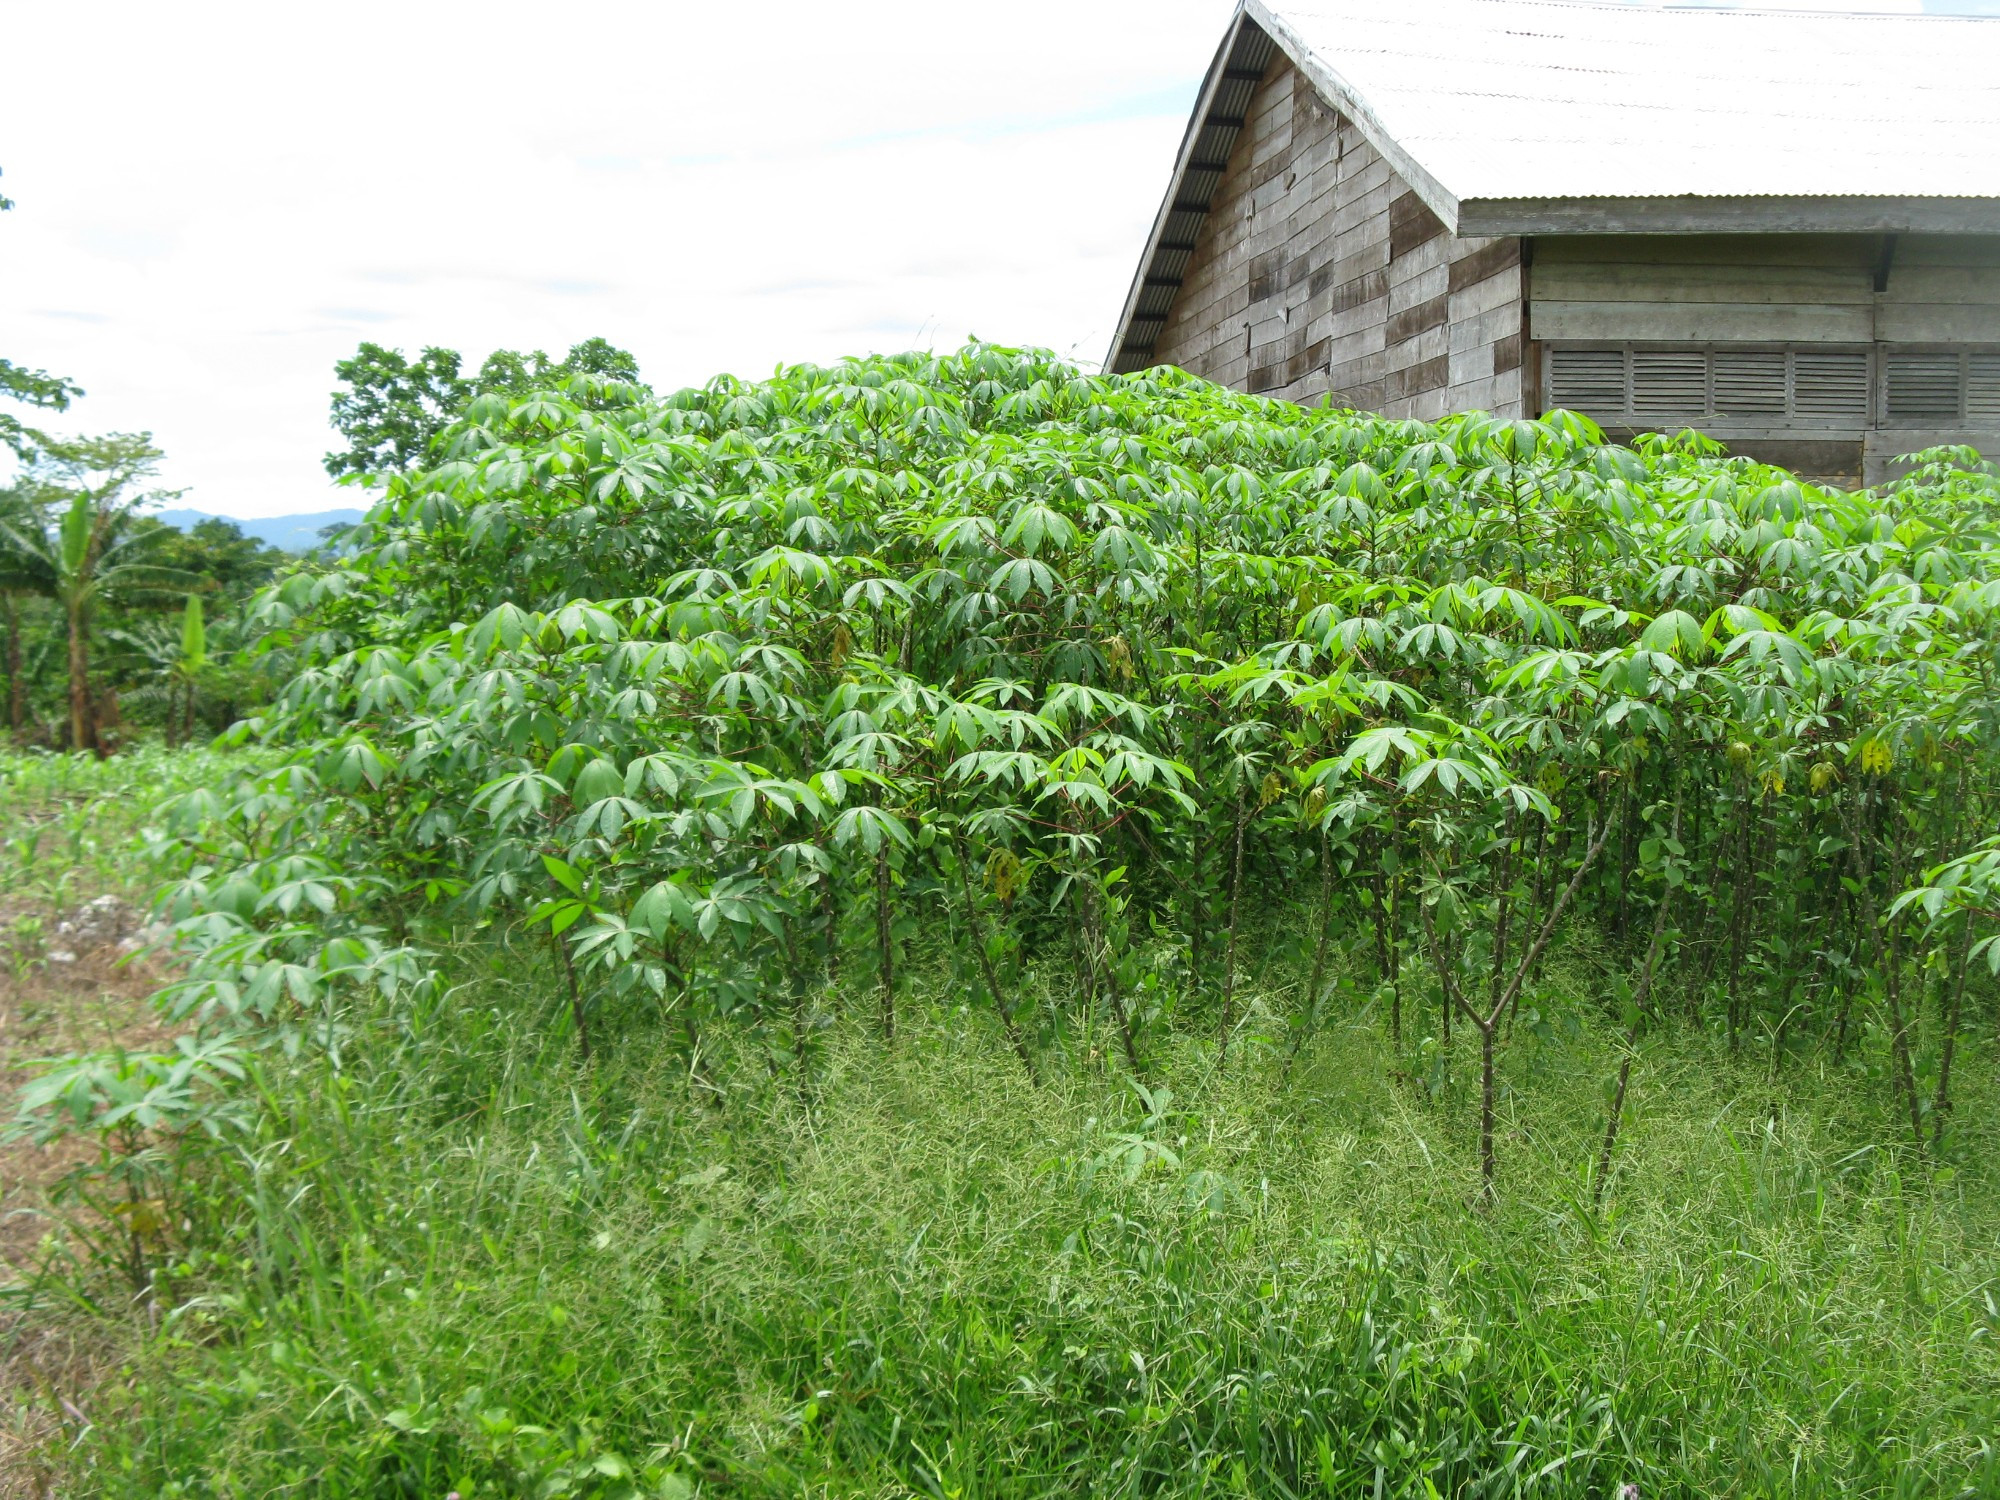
point(217, 201)
point(246, 192)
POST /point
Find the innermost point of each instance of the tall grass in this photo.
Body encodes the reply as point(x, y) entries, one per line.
point(470, 1262)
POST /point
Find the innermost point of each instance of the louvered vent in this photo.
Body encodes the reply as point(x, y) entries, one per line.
point(1699, 383)
point(1669, 383)
point(1751, 383)
point(1803, 385)
point(1830, 384)
point(1922, 387)
point(1587, 380)
point(1982, 388)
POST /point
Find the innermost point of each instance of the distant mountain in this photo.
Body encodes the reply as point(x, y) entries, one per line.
point(293, 533)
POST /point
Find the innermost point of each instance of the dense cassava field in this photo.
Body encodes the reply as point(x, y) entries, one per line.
point(947, 927)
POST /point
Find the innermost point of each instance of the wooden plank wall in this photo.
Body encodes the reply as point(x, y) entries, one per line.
point(1318, 272)
point(1942, 289)
point(1766, 288)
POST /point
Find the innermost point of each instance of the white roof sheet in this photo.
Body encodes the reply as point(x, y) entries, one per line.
point(1542, 99)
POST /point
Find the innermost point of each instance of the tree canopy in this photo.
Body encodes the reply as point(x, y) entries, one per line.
point(393, 407)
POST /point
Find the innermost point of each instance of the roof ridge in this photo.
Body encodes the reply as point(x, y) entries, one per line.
point(1630, 7)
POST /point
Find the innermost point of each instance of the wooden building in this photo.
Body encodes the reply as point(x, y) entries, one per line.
point(1781, 228)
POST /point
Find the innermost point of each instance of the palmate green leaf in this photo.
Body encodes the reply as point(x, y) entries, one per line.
point(1734, 619)
point(974, 534)
point(1676, 633)
point(1089, 794)
point(560, 915)
point(1011, 768)
point(1961, 888)
point(597, 780)
point(1035, 526)
point(788, 565)
point(665, 906)
point(503, 628)
point(1018, 578)
point(356, 763)
point(869, 752)
point(586, 622)
point(1764, 646)
point(1450, 774)
point(876, 593)
point(1371, 749)
point(522, 793)
point(608, 818)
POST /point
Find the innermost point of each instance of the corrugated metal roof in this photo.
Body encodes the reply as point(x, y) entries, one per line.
point(1542, 99)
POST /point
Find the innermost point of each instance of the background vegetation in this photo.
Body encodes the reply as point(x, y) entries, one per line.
point(113, 622)
point(943, 925)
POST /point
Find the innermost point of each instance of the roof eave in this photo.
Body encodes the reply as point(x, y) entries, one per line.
point(1204, 104)
point(1703, 214)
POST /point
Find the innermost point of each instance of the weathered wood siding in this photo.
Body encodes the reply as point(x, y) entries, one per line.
point(1318, 271)
point(1757, 288)
point(1771, 288)
point(1850, 289)
point(1942, 289)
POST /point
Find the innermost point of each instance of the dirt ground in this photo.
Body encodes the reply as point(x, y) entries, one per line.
point(60, 991)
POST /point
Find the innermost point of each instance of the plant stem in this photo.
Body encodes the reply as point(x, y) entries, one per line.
point(1488, 1021)
point(82, 720)
point(986, 972)
point(575, 997)
point(1640, 999)
point(17, 690)
point(1319, 952)
point(1229, 953)
point(1100, 960)
point(885, 947)
point(1941, 1102)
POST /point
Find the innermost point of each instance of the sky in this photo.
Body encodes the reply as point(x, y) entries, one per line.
point(215, 201)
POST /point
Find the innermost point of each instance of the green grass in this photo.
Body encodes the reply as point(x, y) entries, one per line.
point(467, 1261)
point(470, 1262)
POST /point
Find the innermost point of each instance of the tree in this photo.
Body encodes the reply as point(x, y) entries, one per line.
point(35, 388)
point(511, 373)
point(76, 543)
point(232, 563)
point(13, 510)
point(394, 406)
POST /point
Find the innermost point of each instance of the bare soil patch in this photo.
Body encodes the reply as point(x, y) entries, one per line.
point(70, 981)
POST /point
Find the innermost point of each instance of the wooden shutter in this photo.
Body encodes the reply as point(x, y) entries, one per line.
point(1801, 385)
point(1635, 385)
point(1982, 388)
point(1669, 383)
point(1922, 387)
point(1591, 381)
point(1830, 385)
point(1751, 382)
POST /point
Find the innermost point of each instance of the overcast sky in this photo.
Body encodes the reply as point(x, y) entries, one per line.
point(215, 201)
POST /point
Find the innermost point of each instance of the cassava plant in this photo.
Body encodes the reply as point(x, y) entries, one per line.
point(983, 658)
